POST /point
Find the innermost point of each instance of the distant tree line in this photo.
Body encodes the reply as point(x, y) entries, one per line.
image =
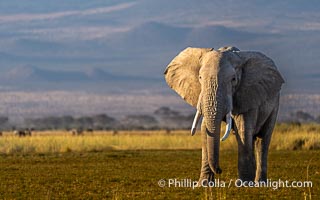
point(303, 117)
point(98, 122)
point(161, 118)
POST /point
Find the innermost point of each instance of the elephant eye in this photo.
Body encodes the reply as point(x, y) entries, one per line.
point(233, 80)
point(199, 77)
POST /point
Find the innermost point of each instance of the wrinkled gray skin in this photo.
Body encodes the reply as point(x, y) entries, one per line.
point(217, 82)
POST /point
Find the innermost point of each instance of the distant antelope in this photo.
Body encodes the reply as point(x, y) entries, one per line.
point(22, 133)
point(89, 130)
point(115, 132)
point(77, 132)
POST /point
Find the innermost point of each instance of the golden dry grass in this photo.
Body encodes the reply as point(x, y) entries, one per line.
point(285, 137)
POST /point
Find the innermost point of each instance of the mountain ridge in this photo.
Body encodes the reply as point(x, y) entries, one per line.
point(37, 74)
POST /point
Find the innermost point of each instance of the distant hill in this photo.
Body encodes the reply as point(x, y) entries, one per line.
point(155, 36)
point(36, 74)
point(150, 35)
point(35, 78)
point(142, 52)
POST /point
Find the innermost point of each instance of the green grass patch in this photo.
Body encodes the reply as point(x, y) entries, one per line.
point(129, 174)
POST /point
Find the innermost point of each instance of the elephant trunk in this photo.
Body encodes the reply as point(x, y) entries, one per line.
point(213, 117)
point(213, 148)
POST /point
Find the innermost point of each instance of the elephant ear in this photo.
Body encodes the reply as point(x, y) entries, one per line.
point(183, 71)
point(260, 80)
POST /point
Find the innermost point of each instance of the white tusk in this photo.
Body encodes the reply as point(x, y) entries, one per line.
point(195, 123)
point(228, 127)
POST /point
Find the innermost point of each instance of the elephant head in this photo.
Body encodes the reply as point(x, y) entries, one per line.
point(219, 84)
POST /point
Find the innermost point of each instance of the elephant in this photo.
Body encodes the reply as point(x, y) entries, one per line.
point(241, 88)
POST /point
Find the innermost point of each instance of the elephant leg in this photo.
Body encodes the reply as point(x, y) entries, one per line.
point(207, 174)
point(261, 146)
point(246, 160)
point(244, 135)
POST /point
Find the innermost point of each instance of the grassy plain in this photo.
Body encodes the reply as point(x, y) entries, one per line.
point(285, 137)
point(129, 164)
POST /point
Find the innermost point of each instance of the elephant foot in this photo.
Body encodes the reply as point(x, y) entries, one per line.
point(218, 170)
point(205, 179)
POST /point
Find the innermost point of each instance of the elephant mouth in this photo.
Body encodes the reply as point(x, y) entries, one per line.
point(228, 125)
